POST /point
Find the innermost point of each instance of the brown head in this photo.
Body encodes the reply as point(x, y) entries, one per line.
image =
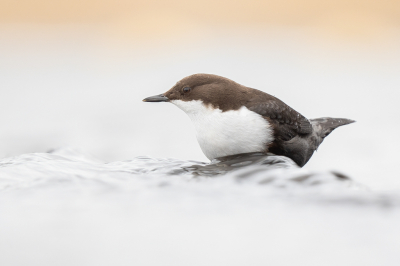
point(214, 90)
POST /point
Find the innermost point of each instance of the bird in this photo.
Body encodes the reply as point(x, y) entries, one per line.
point(231, 119)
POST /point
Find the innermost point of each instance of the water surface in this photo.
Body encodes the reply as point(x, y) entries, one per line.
point(67, 208)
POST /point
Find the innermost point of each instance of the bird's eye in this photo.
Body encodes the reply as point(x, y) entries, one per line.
point(186, 89)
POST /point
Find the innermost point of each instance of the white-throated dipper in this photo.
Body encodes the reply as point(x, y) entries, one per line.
point(230, 118)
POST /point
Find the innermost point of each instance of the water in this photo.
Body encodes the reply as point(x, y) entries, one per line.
point(68, 168)
point(67, 208)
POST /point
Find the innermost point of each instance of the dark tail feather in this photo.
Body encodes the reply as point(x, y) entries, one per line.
point(301, 148)
point(325, 125)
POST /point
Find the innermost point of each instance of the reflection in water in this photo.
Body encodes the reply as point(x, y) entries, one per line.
point(226, 164)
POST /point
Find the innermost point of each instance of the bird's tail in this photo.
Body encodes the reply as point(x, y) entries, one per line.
point(300, 149)
point(325, 125)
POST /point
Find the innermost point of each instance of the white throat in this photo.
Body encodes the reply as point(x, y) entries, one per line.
point(226, 133)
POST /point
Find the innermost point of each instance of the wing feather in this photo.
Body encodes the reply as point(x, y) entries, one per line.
point(287, 122)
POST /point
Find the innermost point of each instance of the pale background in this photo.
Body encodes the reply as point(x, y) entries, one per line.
point(73, 74)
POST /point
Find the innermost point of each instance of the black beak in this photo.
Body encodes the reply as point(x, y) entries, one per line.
point(156, 98)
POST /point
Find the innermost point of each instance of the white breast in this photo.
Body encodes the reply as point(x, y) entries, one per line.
point(226, 133)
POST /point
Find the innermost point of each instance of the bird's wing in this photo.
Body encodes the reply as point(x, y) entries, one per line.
point(287, 122)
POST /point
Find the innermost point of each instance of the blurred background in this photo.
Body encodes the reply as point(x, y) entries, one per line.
point(73, 74)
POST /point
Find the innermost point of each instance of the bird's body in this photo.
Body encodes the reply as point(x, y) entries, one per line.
point(230, 118)
point(226, 133)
